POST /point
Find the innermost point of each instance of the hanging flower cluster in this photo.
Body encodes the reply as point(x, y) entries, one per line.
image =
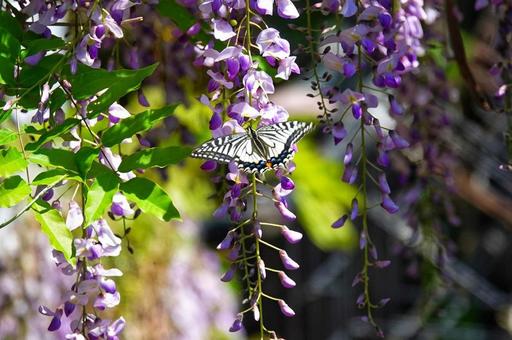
point(71, 90)
point(94, 289)
point(239, 91)
point(70, 118)
point(500, 72)
point(93, 286)
point(420, 94)
point(385, 40)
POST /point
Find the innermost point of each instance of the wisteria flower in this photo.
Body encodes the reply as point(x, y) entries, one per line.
point(222, 30)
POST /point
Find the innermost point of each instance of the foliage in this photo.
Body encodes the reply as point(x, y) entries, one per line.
point(81, 144)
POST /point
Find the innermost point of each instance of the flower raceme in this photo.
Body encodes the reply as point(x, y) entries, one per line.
point(93, 287)
point(239, 94)
point(385, 41)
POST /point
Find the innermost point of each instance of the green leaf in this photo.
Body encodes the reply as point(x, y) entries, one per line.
point(11, 161)
point(177, 13)
point(57, 99)
point(53, 133)
point(159, 157)
point(99, 196)
point(53, 176)
point(58, 158)
point(150, 198)
point(9, 45)
point(55, 228)
point(137, 123)
point(98, 169)
point(6, 71)
point(13, 190)
point(84, 159)
point(31, 130)
point(11, 25)
point(38, 74)
point(4, 115)
point(7, 136)
point(38, 45)
point(88, 82)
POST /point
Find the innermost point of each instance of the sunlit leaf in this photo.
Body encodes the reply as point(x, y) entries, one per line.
point(4, 115)
point(84, 158)
point(58, 158)
point(13, 190)
point(53, 176)
point(7, 136)
point(54, 227)
point(11, 161)
point(134, 124)
point(154, 157)
point(99, 196)
point(150, 198)
point(88, 82)
point(53, 133)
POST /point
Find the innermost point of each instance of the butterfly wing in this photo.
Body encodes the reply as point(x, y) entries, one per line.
point(280, 139)
point(222, 149)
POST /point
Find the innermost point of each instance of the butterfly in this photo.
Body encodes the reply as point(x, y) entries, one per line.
point(268, 147)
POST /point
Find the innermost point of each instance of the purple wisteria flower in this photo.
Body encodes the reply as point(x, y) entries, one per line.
point(239, 94)
point(120, 206)
point(75, 216)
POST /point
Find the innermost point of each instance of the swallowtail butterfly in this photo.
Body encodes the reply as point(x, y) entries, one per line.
point(268, 147)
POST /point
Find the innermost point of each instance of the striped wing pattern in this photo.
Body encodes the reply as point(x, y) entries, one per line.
point(278, 140)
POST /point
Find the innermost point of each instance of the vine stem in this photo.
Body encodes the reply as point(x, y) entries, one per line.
point(253, 181)
point(311, 47)
point(22, 211)
point(364, 206)
point(18, 131)
point(257, 240)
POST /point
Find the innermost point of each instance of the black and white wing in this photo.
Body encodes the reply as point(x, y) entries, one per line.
point(222, 149)
point(279, 139)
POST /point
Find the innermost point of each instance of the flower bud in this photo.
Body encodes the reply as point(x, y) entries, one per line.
point(209, 165)
point(383, 184)
point(226, 242)
point(340, 222)
point(261, 269)
point(355, 209)
point(388, 204)
point(237, 324)
point(290, 235)
point(233, 254)
point(258, 232)
point(288, 262)
point(228, 276)
point(285, 309)
point(348, 154)
point(286, 281)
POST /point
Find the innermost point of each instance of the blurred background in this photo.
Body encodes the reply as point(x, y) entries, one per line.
point(449, 276)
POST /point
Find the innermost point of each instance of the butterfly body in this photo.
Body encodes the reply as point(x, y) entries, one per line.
point(268, 147)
